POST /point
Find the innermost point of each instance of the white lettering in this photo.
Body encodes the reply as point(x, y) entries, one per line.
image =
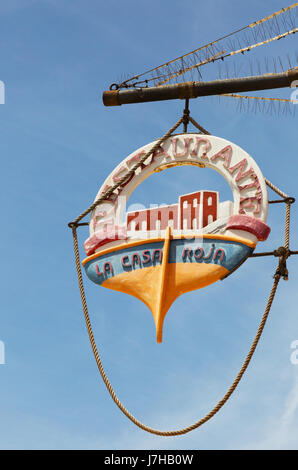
point(294, 355)
point(2, 353)
point(294, 94)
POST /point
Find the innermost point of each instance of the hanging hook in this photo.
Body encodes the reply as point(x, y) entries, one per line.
point(186, 115)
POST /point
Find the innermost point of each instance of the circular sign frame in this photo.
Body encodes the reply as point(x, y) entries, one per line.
point(157, 255)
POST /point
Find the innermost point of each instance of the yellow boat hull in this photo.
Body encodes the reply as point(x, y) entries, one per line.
point(158, 271)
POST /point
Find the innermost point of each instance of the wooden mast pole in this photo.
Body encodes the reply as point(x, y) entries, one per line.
point(195, 89)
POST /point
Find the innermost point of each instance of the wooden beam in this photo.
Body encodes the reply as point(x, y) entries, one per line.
point(196, 89)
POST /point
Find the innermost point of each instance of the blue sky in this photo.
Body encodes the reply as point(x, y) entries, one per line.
point(58, 144)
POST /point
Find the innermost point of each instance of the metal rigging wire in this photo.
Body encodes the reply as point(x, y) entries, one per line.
point(273, 27)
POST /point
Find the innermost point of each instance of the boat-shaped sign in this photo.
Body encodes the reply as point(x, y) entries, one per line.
point(157, 254)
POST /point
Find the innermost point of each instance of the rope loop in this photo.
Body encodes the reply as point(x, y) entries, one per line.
point(108, 385)
point(282, 252)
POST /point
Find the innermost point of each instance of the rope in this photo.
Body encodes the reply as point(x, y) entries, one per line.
point(209, 47)
point(198, 126)
point(263, 98)
point(284, 251)
point(109, 386)
point(287, 226)
point(221, 55)
point(275, 189)
point(127, 176)
point(279, 272)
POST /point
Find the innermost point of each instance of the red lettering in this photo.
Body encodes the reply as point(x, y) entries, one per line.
point(135, 258)
point(157, 255)
point(254, 184)
point(219, 253)
point(124, 261)
point(97, 271)
point(205, 147)
point(198, 253)
point(240, 166)
point(225, 154)
point(112, 197)
point(146, 256)
point(187, 253)
point(160, 152)
point(174, 141)
point(108, 268)
point(250, 203)
point(136, 158)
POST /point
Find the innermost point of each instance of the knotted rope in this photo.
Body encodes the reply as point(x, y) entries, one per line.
point(282, 252)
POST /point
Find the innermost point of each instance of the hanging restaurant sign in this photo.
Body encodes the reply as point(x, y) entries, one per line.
point(160, 253)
